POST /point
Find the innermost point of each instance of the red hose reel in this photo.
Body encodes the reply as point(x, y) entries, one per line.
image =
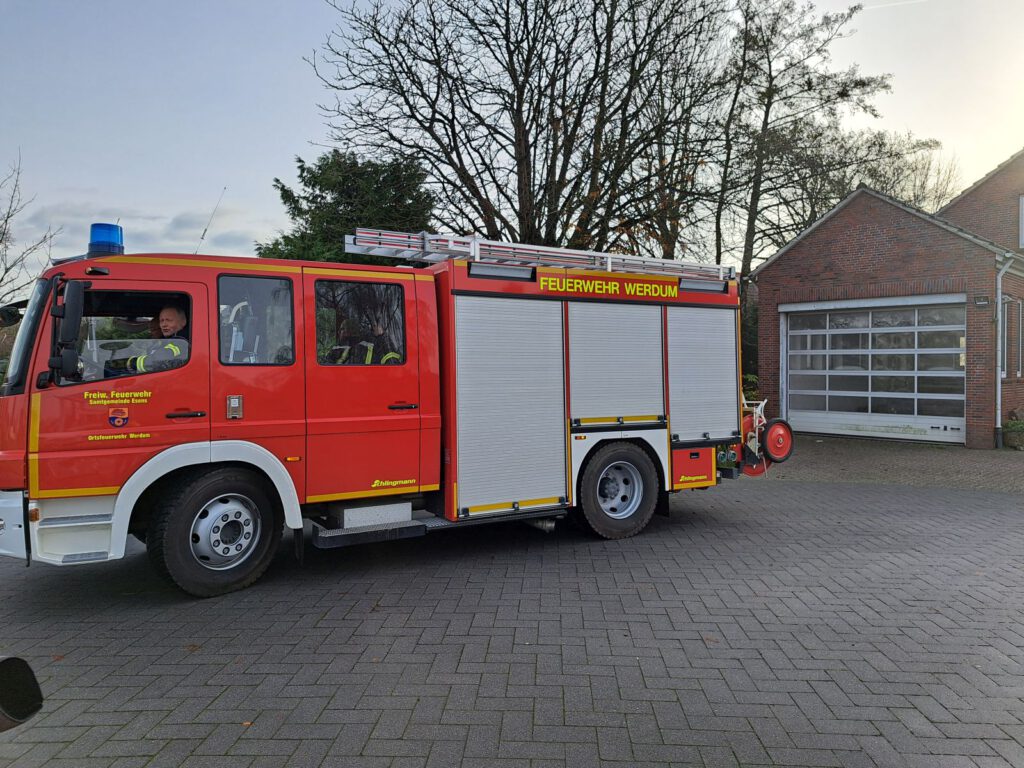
point(771, 442)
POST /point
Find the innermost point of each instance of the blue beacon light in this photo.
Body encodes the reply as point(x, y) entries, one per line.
point(105, 238)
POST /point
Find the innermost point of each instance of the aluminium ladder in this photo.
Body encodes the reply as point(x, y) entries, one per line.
point(424, 247)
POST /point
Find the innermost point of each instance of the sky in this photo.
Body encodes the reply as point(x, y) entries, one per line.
point(143, 111)
point(957, 71)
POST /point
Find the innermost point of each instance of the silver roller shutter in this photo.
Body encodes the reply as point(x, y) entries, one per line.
point(895, 371)
point(511, 400)
point(615, 360)
point(702, 373)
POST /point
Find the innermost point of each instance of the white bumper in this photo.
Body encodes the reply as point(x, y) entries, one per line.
point(74, 531)
point(12, 527)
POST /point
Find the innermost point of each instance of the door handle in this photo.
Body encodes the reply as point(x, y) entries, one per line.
point(186, 414)
point(403, 406)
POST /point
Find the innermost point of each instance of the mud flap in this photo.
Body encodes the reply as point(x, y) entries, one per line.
point(661, 507)
point(299, 544)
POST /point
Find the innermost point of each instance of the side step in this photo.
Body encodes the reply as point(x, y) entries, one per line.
point(363, 524)
point(326, 536)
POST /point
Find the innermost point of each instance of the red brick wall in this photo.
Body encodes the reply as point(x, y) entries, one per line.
point(871, 249)
point(992, 210)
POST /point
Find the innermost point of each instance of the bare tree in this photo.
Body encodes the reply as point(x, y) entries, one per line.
point(676, 182)
point(558, 122)
point(17, 260)
point(818, 163)
point(782, 55)
point(915, 171)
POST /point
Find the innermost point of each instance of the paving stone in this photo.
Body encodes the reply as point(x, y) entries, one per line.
point(800, 620)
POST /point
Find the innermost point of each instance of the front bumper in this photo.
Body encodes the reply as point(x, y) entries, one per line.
point(12, 524)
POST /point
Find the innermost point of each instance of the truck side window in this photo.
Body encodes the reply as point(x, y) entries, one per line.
point(256, 323)
point(127, 333)
point(359, 323)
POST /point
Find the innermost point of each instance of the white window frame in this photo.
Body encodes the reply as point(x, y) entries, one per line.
point(1004, 363)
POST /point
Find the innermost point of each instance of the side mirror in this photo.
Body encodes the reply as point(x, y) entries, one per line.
point(68, 318)
point(9, 316)
point(69, 364)
point(74, 306)
point(20, 695)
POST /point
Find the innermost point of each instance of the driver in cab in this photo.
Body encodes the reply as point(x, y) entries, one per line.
point(172, 323)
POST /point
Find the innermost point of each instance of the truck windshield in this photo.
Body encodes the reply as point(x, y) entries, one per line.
point(14, 366)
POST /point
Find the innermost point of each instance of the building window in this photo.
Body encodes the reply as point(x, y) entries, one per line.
point(1004, 362)
point(256, 326)
point(1020, 335)
point(1021, 221)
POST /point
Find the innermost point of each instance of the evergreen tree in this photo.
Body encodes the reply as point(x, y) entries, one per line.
point(340, 192)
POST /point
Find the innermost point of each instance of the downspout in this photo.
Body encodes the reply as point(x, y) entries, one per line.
point(1009, 256)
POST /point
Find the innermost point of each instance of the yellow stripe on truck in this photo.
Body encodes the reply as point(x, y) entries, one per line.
point(616, 419)
point(509, 505)
point(65, 493)
point(257, 265)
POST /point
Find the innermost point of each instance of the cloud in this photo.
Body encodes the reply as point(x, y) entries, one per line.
point(236, 241)
point(186, 223)
point(232, 231)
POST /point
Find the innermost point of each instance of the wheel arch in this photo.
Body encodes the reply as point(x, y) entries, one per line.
point(643, 439)
point(133, 496)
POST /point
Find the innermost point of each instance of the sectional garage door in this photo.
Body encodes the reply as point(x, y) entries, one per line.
point(895, 371)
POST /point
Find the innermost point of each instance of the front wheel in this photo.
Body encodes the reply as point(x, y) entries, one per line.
point(217, 533)
point(618, 491)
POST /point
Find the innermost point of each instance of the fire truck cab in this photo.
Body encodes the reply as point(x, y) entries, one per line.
point(203, 404)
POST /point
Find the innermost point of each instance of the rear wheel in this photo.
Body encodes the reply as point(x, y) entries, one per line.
point(618, 491)
point(217, 533)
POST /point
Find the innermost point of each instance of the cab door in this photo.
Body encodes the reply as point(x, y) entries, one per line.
point(90, 432)
point(362, 384)
point(257, 377)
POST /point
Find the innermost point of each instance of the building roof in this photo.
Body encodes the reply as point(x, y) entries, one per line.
point(982, 180)
point(999, 253)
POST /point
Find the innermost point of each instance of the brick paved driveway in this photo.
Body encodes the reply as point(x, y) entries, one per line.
point(768, 623)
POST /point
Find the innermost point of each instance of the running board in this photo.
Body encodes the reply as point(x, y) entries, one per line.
point(327, 534)
point(327, 537)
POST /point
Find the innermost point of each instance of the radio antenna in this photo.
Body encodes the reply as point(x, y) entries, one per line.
point(203, 236)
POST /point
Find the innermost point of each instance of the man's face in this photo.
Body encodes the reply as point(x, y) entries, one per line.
point(171, 321)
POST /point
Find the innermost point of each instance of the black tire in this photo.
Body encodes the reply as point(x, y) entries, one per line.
point(618, 491)
point(234, 503)
point(577, 520)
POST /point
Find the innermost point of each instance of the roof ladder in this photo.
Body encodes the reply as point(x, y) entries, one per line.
point(425, 247)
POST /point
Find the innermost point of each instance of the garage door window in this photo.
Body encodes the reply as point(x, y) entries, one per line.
point(906, 361)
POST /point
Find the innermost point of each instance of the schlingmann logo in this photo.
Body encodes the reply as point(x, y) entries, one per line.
point(391, 483)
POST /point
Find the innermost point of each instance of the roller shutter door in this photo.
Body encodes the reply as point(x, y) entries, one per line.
point(511, 402)
point(884, 371)
point(615, 361)
point(702, 374)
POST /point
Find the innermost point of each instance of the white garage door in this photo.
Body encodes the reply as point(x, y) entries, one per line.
point(883, 371)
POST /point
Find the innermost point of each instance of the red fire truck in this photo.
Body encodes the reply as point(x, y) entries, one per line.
point(203, 404)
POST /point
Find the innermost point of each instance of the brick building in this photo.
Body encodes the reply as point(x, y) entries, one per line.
point(882, 320)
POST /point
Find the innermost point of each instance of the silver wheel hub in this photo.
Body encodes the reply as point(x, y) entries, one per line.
point(619, 490)
point(225, 532)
